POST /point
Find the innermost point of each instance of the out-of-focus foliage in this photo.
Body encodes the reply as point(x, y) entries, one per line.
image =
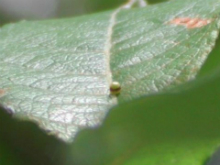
point(22, 143)
point(213, 61)
point(77, 7)
point(64, 8)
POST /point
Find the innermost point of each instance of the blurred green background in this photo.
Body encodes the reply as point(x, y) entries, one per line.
point(15, 10)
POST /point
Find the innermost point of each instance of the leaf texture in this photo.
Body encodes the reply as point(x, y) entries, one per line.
point(58, 72)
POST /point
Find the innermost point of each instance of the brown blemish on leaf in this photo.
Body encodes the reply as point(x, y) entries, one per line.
point(2, 92)
point(190, 23)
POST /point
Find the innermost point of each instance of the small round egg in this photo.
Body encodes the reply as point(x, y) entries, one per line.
point(115, 88)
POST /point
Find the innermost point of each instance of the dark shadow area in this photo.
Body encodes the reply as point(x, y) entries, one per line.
point(29, 145)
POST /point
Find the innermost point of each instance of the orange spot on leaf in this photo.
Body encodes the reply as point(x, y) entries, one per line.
point(190, 23)
point(2, 92)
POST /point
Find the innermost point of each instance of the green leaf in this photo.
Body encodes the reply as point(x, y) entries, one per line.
point(6, 157)
point(23, 143)
point(167, 129)
point(58, 72)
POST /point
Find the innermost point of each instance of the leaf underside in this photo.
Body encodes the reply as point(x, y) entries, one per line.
point(58, 72)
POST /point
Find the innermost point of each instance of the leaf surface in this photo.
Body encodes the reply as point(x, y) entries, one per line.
point(166, 129)
point(58, 72)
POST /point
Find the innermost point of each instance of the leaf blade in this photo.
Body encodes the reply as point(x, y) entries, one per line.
point(57, 73)
point(159, 52)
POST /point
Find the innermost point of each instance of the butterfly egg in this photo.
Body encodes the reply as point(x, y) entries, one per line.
point(115, 88)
